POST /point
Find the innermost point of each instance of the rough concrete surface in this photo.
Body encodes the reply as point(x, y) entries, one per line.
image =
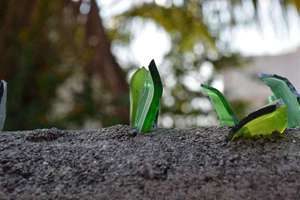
point(112, 163)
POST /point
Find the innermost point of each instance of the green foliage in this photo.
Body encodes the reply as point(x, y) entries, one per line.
point(193, 46)
point(240, 107)
point(44, 50)
point(176, 21)
point(33, 70)
point(196, 31)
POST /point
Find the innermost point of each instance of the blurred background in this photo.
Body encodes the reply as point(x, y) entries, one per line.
point(68, 62)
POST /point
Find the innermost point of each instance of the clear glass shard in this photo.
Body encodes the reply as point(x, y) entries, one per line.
point(3, 97)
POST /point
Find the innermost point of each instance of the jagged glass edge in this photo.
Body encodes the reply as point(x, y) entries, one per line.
point(3, 99)
point(254, 115)
point(288, 83)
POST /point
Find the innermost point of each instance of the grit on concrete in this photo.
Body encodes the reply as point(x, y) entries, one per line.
point(112, 163)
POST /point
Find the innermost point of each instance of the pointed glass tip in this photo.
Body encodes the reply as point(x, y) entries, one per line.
point(220, 104)
point(284, 79)
point(283, 89)
point(264, 75)
point(146, 90)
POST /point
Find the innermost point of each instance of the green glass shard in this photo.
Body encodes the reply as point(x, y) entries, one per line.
point(283, 89)
point(152, 114)
point(3, 96)
point(145, 94)
point(144, 103)
point(222, 107)
point(136, 89)
point(272, 98)
point(264, 122)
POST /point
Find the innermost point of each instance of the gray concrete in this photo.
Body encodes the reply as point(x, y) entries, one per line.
point(113, 163)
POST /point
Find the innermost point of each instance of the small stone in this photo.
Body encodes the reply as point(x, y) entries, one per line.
point(133, 132)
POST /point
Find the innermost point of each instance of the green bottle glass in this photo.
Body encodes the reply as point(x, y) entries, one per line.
point(222, 107)
point(145, 94)
point(271, 99)
point(283, 89)
point(264, 122)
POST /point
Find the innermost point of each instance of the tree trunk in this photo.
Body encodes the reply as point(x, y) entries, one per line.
point(30, 60)
point(103, 62)
point(13, 20)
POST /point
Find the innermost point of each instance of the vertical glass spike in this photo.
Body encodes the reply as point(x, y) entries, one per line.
point(136, 89)
point(145, 94)
point(264, 122)
point(222, 107)
point(3, 96)
point(152, 115)
point(283, 89)
point(144, 104)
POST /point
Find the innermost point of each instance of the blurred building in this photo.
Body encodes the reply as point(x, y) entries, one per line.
point(243, 84)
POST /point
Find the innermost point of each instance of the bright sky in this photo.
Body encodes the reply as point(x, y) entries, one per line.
point(151, 41)
point(251, 41)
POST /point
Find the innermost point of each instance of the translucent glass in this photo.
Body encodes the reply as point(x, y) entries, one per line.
point(222, 107)
point(283, 89)
point(145, 95)
point(3, 96)
point(264, 122)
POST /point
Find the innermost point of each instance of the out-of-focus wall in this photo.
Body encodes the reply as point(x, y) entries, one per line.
point(243, 84)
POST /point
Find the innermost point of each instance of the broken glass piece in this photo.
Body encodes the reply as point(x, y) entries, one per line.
point(136, 89)
point(152, 116)
point(3, 96)
point(263, 122)
point(271, 99)
point(283, 89)
point(222, 107)
point(144, 102)
point(145, 94)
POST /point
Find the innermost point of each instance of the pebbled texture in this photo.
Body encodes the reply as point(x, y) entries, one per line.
point(115, 163)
